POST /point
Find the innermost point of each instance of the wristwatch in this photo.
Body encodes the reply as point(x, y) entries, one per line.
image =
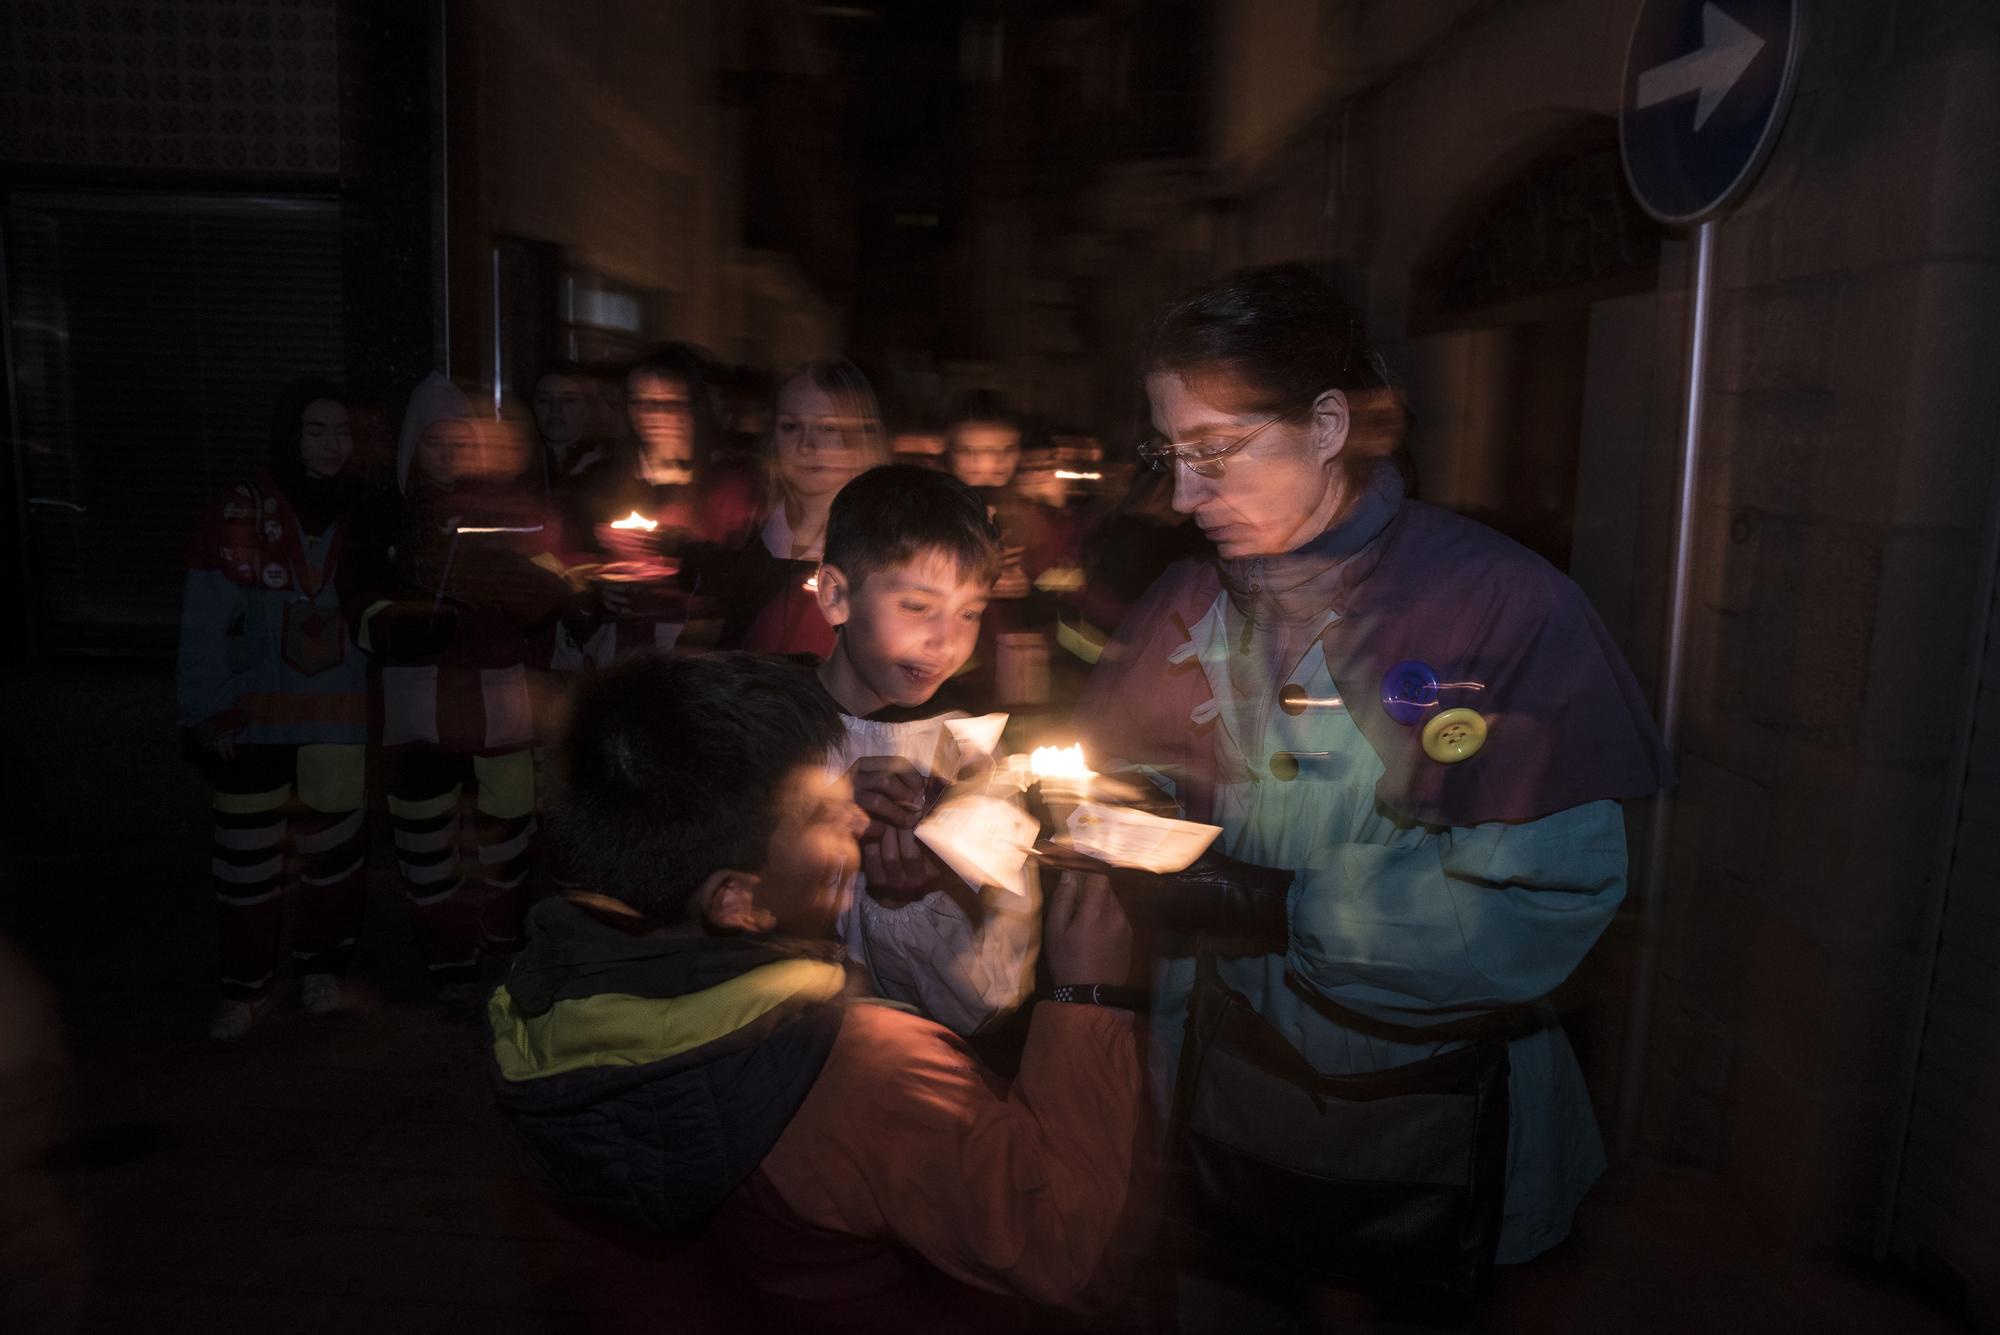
point(1102, 994)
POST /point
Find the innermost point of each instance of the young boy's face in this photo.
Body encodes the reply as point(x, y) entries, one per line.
point(813, 854)
point(904, 632)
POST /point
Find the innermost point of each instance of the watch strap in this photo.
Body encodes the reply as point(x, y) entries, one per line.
point(1102, 994)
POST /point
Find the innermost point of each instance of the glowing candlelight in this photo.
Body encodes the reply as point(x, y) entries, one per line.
point(1066, 475)
point(636, 521)
point(812, 583)
point(1064, 762)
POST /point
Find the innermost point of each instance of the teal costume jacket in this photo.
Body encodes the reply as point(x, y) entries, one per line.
point(1425, 891)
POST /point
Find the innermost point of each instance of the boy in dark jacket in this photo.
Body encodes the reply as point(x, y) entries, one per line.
point(678, 1049)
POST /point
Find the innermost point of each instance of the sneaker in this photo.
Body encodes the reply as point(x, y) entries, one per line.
point(233, 1019)
point(319, 993)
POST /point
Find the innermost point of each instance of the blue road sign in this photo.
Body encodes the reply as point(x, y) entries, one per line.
point(1707, 83)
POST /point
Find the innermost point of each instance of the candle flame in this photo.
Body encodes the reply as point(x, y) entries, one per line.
point(1064, 762)
point(635, 520)
point(1067, 476)
point(812, 584)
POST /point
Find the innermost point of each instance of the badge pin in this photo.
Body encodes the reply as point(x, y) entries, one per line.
point(1409, 691)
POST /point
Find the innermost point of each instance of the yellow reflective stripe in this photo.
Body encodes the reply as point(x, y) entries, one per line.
point(361, 635)
point(615, 1029)
point(423, 808)
point(332, 775)
point(1060, 579)
point(248, 804)
point(506, 784)
point(1079, 642)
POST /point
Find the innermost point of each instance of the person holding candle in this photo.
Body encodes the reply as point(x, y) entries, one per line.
point(448, 595)
point(275, 704)
point(573, 457)
point(911, 558)
point(668, 492)
point(1415, 736)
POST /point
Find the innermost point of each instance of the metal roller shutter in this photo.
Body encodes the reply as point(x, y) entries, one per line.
point(149, 337)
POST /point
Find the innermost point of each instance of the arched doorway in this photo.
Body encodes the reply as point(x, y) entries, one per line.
point(1505, 299)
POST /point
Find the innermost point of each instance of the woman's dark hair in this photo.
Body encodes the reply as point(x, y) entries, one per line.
point(563, 367)
point(1278, 336)
point(896, 512)
point(689, 366)
point(671, 768)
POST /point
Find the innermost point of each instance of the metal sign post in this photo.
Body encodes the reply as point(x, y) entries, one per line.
point(1706, 89)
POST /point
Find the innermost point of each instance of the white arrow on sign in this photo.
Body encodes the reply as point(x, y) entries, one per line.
point(1727, 48)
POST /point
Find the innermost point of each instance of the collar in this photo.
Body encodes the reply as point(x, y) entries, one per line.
point(1304, 581)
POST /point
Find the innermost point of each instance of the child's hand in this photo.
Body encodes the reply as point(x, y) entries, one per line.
point(898, 866)
point(891, 790)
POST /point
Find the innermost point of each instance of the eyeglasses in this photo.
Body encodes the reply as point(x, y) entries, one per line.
point(1204, 458)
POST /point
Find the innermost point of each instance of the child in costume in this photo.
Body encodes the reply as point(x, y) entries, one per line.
point(450, 598)
point(275, 701)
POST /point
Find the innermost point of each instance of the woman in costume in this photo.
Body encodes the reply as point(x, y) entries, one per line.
point(1416, 736)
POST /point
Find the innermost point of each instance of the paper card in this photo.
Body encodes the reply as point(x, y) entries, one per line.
point(965, 744)
point(985, 840)
point(1137, 839)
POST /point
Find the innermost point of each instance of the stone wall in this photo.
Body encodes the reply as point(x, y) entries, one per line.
point(1849, 447)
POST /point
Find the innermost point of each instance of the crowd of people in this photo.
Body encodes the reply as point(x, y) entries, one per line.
point(439, 616)
point(754, 1029)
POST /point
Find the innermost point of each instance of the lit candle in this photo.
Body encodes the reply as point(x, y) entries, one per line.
point(631, 538)
point(1059, 762)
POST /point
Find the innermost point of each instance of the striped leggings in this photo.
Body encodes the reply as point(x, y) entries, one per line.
point(280, 812)
point(458, 914)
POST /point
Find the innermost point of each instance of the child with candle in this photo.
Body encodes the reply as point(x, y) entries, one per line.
point(911, 557)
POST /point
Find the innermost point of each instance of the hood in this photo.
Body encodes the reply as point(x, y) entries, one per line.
point(650, 1075)
point(436, 399)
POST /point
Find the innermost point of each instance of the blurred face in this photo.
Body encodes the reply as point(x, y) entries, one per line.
point(507, 452)
point(326, 442)
point(559, 410)
point(662, 415)
point(447, 452)
point(819, 451)
point(806, 880)
point(1276, 494)
point(985, 454)
point(1037, 481)
point(904, 632)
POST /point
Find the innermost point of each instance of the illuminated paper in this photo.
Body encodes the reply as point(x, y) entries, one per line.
point(984, 839)
point(965, 746)
point(1125, 837)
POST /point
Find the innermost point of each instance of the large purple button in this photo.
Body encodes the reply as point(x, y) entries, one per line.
point(1409, 691)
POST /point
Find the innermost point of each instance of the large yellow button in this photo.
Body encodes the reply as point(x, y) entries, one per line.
point(1455, 735)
